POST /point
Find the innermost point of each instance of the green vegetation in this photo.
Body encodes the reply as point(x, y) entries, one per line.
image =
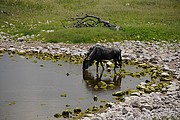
point(63, 95)
point(152, 20)
point(12, 103)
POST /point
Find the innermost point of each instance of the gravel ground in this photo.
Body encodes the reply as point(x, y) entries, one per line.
point(153, 106)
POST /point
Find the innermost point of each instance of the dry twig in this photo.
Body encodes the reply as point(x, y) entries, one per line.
point(89, 21)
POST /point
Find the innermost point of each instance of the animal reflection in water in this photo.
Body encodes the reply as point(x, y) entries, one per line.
point(99, 54)
point(93, 80)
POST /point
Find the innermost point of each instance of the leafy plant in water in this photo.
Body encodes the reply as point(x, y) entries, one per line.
point(41, 65)
point(111, 86)
point(77, 110)
point(57, 115)
point(102, 85)
point(95, 108)
point(63, 95)
point(96, 87)
point(12, 103)
point(136, 74)
point(148, 88)
point(34, 61)
point(143, 73)
point(103, 101)
point(66, 113)
point(60, 64)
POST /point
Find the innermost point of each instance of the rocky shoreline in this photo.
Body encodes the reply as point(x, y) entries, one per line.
point(153, 106)
point(145, 106)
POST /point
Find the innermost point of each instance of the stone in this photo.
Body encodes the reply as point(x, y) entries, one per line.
point(164, 74)
point(178, 77)
point(103, 115)
point(130, 117)
point(174, 88)
point(20, 39)
point(135, 94)
point(178, 94)
point(135, 104)
point(90, 115)
point(146, 106)
point(136, 112)
point(164, 90)
point(120, 118)
point(154, 60)
point(166, 68)
point(119, 93)
point(155, 97)
point(96, 118)
point(125, 110)
point(166, 79)
point(2, 50)
point(170, 93)
point(109, 64)
point(85, 118)
point(11, 49)
point(166, 59)
point(11, 45)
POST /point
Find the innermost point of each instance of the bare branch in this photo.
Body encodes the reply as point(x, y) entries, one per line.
point(89, 21)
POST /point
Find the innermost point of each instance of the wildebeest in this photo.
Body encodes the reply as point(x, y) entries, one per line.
point(99, 53)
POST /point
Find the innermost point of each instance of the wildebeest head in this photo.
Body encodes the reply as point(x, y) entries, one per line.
point(86, 64)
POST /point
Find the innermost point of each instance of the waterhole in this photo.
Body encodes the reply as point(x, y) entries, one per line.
point(37, 89)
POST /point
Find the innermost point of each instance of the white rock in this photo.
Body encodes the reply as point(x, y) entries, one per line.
point(136, 104)
point(125, 110)
point(96, 118)
point(164, 74)
point(146, 106)
point(20, 39)
point(11, 49)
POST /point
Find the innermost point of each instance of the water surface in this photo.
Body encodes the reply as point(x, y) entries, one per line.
point(32, 91)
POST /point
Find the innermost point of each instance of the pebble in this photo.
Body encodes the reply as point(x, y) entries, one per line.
point(125, 110)
point(135, 94)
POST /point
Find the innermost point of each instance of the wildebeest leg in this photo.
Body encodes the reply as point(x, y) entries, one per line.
point(117, 62)
point(120, 63)
point(115, 66)
point(102, 65)
point(97, 64)
point(114, 71)
point(99, 77)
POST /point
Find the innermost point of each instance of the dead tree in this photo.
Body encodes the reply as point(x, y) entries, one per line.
point(88, 21)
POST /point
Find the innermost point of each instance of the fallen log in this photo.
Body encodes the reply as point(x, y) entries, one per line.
point(89, 21)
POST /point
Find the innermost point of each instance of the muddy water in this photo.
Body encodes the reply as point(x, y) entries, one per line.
point(32, 91)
